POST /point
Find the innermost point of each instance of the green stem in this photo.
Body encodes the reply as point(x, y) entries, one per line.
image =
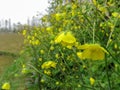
point(94, 33)
point(40, 72)
point(106, 64)
point(111, 33)
point(112, 55)
point(92, 88)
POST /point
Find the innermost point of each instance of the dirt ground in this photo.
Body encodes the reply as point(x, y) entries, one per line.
point(9, 42)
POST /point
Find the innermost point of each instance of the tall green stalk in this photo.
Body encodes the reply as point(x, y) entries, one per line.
point(108, 78)
point(94, 33)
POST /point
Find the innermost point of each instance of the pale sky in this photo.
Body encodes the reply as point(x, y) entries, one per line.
point(20, 10)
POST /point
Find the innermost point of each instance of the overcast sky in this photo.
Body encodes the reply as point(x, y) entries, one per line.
point(20, 10)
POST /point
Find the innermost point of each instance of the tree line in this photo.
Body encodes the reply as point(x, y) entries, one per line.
point(8, 26)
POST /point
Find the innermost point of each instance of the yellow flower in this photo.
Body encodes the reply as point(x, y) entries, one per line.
point(58, 39)
point(49, 29)
point(74, 6)
point(57, 16)
point(28, 37)
point(115, 46)
point(92, 81)
point(33, 38)
point(69, 39)
point(63, 69)
point(110, 3)
point(42, 51)
point(24, 70)
point(84, 67)
point(94, 2)
point(42, 80)
point(57, 56)
point(52, 48)
point(48, 64)
point(111, 25)
point(66, 39)
point(116, 67)
point(103, 9)
point(23, 65)
point(35, 34)
point(79, 85)
point(37, 42)
point(92, 51)
point(6, 86)
point(116, 14)
point(40, 59)
point(57, 83)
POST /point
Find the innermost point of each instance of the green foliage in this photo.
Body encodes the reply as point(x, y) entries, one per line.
point(76, 47)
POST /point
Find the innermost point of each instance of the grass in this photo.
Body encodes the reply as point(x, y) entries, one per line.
point(5, 61)
point(12, 74)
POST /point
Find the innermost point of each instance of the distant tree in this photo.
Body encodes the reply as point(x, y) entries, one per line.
point(0, 25)
point(6, 25)
point(28, 24)
point(9, 24)
point(19, 26)
point(33, 21)
point(14, 27)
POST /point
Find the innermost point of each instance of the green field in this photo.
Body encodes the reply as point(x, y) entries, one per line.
point(10, 44)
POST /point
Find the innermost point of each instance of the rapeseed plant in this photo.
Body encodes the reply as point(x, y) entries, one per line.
point(66, 50)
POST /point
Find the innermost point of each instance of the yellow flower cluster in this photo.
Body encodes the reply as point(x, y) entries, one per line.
point(48, 72)
point(101, 8)
point(48, 64)
point(49, 29)
point(33, 41)
point(92, 51)
point(31, 38)
point(58, 16)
